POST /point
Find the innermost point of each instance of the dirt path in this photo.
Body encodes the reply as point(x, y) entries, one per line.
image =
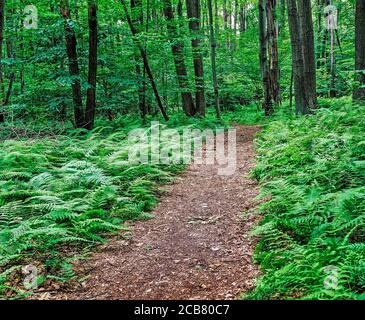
point(197, 247)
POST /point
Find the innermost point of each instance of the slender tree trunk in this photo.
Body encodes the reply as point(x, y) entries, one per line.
point(225, 22)
point(71, 48)
point(291, 91)
point(137, 20)
point(213, 45)
point(177, 47)
point(11, 55)
point(264, 65)
point(145, 61)
point(236, 14)
point(301, 105)
point(273, 51)
point(93, 65)
point(306, 24)
point(325, 37)
point(2, 19)
point(333, 92)
point(242, 18)
point(216, 16)
point(22, 77)
point(359, 93)
point(180, 13)
point(319, 32)
point(193, 10)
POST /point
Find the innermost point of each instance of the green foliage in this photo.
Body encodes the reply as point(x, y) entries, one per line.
point(69, 192)
point(311, 170)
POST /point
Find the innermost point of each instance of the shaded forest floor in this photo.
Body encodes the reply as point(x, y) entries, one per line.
point(196, 247)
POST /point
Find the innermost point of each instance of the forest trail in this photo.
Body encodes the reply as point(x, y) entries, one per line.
point(196, 247)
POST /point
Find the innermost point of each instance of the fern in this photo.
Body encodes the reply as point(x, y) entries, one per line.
point(312, 169)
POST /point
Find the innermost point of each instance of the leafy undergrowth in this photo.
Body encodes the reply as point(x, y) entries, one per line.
point(312, 170)
point(61, 195)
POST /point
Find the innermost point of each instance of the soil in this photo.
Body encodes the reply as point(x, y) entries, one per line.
point(197, 247)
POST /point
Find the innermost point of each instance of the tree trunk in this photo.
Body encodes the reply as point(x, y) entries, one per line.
point(225, 22)
point(216, 16)
point(137, 19)
point(236, 15)
point(177, 47)
point(359, 93)
point(2, 18)
point(319, 32)
point(273, 52)
point(306, 24)
point(22, 71)
point(10, 55)
point(93, 65)
point(145, 61)
point(267, 104)
point(71, 48)
point(213, 45)
point(193, 10)
point(242, 18)
point(301, 105)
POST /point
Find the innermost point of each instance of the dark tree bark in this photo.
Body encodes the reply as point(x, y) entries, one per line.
point(71, 49)
point(264, 65)
point(359, 93)
point(242, 18)
point(2, 18)
point(193, 10)
point(145, 61)
point(306, 24)
point(177, 47)
point(213, 45)
point(301, 105)
point(274, 73)
point(137, 20)
point(93, 65)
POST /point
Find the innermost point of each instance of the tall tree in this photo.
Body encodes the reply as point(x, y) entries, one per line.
point(264, 65)
point(213, 45)
point(71, 49)
point(177, 46)
point(301, 104)
point(142, 50)
point(242, 18)
point(309, 60)
point(273, 52)
point(2, 19)
point(137, 19)
point(359, 92)
point(269, 57)
point(93, 65)
point(193, 11)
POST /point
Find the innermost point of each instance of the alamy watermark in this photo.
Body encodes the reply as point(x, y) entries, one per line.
point(331, 17)
point(30, 281)
point(159, 145)
point(331, 280)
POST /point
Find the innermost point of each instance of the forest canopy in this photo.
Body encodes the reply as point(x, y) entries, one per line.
point(77, 77)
